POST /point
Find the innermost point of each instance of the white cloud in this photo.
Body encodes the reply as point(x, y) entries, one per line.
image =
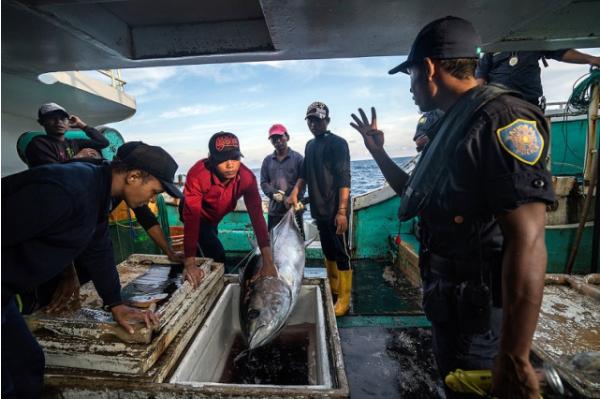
point(253, 89)
point(192, 110)
point(147, 80)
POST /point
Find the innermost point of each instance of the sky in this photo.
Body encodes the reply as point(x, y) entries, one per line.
point(180, 108)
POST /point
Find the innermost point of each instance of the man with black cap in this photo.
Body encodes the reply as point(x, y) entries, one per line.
point(278, 175)
point(73, 223)
point(326, 172)
point(426, 125)
point(212, 189)
point(480, 191)
point(53, 147)
point(55, 294)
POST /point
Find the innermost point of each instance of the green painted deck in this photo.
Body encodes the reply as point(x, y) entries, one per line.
point(568, 146)
point(371, 226)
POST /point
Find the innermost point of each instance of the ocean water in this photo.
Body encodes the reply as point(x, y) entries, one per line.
point(365, 175)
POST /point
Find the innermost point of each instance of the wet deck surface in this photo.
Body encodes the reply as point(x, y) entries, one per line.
point(390, 363)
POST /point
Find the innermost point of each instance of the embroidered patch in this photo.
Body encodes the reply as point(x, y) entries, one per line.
point(522, 140)
point(422, 120)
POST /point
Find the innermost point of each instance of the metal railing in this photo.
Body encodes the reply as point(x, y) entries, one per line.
point(115, 77)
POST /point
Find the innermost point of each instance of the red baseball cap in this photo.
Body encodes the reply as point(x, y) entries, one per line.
point(277, 130)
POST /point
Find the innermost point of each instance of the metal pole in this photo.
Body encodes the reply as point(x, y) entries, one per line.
point(590, 175)
point(596, 235)
point(586, 207)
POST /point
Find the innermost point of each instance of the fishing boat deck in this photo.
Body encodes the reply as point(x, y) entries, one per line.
point(386, 340)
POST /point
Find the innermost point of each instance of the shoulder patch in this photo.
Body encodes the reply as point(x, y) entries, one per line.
point(422, 120)
point(522, 140)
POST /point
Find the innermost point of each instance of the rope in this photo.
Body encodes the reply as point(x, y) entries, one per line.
point(581, 95)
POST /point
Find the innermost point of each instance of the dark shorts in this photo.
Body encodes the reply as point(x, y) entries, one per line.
point(334, 246)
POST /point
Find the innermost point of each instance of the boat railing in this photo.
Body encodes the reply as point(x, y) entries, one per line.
point(115, 77)
point(561, 109)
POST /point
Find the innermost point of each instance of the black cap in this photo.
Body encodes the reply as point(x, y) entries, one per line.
point(445, 38)
point(224, 146)
point(151, 159)
point(317, 109)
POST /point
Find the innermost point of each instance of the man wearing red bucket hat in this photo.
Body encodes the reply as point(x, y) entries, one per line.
point(279, 173)
point(212, 189)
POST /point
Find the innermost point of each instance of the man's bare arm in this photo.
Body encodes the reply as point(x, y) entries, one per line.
point(523, 270)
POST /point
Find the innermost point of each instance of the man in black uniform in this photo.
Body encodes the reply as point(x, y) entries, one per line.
point(520, 70)
point(425, 128)
point(326, 172)
point(41, 241)
point(480, 190)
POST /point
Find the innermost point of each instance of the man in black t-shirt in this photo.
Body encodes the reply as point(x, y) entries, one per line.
point(426, 127)
point(326, 172)
point(53, 147)
point(520, 70)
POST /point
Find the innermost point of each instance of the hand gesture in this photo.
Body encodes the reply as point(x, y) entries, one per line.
point(75, 122)
point(126, 315)
point(371, 135)
point(192, 273)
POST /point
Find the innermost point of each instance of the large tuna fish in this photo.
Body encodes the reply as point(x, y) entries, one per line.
point(267, 302)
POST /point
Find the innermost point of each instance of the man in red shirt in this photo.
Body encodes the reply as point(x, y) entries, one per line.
point(212, 189)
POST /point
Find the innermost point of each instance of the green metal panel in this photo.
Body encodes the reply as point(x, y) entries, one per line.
point(559, 242)
point(372, 226)
point(568, 146)
point(236, 233)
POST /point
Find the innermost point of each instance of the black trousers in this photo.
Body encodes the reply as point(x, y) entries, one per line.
point(22, 357)
point(209, 245)
point(335, 246)
point(452, 347)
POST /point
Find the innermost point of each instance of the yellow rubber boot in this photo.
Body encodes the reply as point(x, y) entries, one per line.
point(345, 290)
point(332, 274)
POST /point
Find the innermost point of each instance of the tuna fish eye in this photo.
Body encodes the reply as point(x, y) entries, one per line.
point(253, 314)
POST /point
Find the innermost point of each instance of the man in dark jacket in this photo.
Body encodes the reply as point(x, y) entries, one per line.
point(41, 241)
